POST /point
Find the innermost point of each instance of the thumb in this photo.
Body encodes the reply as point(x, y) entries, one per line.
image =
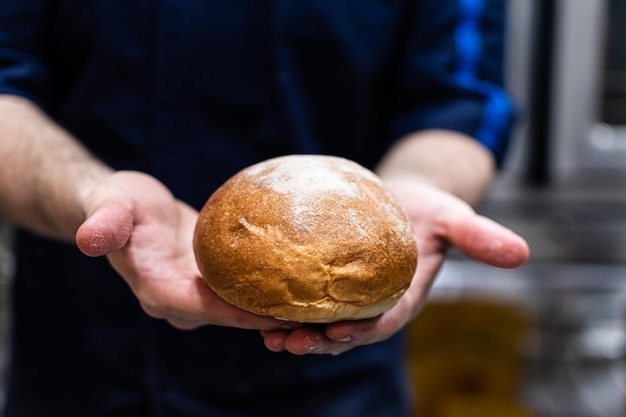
point(106, 230)
point(486, 241)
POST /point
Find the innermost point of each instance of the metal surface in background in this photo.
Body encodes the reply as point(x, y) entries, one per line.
point(575, 359)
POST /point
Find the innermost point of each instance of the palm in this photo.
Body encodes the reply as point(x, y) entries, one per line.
point(147, 235)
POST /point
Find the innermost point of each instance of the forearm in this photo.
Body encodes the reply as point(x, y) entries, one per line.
point(45, 173)
point(450, 160)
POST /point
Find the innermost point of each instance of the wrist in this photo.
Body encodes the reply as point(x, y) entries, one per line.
point(451, 161)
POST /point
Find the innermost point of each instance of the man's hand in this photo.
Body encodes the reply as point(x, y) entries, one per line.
point(146, 234)
point(439, 220)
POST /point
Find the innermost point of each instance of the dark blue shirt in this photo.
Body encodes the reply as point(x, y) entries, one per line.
point(191, 92)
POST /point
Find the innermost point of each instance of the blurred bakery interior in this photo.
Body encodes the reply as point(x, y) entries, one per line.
point(548, 339)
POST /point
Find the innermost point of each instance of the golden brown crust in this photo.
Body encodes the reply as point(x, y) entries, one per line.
point(306, 238)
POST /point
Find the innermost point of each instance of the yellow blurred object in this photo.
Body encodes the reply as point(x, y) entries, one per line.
point(472, 407)
point(468, 352)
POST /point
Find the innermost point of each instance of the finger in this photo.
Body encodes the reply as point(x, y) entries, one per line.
point(487, 241)
point(193, 302)
point(106, 230)
point(304, 340)
point(275, 340)
point(350, 331)
point(311, 340)
point(334, 338)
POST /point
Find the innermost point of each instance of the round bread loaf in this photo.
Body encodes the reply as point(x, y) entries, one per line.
point(306, 238)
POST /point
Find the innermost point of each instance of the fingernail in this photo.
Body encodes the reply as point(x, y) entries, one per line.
point(346, 339)
point(313, 342)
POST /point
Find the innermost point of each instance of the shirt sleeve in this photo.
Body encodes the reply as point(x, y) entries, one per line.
point(452, 72)
point(22, 48)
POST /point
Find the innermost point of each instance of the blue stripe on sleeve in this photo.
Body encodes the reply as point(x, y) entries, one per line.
point(498, 107)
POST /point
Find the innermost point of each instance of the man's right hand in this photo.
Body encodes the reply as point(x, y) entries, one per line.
point(147, 235)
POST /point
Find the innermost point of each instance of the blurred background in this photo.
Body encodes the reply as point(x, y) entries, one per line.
point(548, 339)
